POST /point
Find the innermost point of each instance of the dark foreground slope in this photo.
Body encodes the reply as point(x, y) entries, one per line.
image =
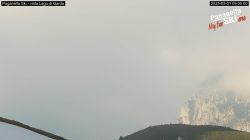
point(187, 132)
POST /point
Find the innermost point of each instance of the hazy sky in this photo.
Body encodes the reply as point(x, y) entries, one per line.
point(95, 70)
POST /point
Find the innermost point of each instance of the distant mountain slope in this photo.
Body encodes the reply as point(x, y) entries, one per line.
point(27, 127)
point(187, 132)
point(212, 108)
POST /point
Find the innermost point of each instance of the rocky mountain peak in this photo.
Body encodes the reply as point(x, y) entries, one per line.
point(213, 108)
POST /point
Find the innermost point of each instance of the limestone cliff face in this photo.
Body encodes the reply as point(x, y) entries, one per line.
point(224, 109)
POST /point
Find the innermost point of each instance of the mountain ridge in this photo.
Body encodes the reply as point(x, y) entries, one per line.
point(211, 108)
point(186, 132)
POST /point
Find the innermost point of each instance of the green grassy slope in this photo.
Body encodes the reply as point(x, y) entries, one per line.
point(226, 135)
point(187, 132)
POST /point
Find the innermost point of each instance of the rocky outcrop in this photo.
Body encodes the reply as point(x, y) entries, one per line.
point(213, 108)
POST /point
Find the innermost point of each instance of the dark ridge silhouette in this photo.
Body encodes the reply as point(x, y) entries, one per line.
point(38, 131)
point(187, 132)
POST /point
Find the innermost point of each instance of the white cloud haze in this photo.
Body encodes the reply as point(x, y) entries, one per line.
point(95, 70)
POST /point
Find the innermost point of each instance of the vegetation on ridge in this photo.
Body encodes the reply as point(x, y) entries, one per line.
point(187, 132)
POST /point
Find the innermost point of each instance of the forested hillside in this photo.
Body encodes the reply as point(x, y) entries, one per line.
point(187, 132)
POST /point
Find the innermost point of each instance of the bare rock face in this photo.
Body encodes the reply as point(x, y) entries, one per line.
point(212, 108)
